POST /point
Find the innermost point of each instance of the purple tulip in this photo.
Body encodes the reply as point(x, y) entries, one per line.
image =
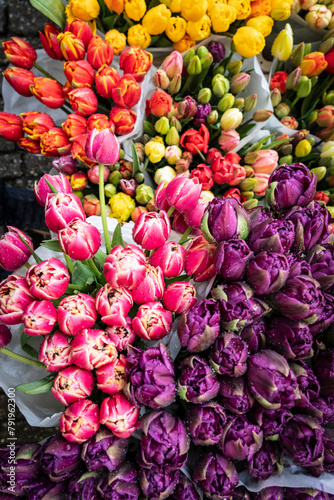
point(270, 421)
point(231, 258)
point(122, 483)
point(271, 380)
point(104, 451)
point(272, 493)
point(185, 490)
point(187, 107)
point(224, 219)
point(241, 493)
point(273, 236)
point(216, 475)
point(291, 185)
point(84, 486)
point(197, 382)
point(258, 215)
point(217, 50)
point(255, 336)
point(26, 469)
point(240, 439)
point(292, 339)
point(5, 335)
point(326, 318)
point(266, 462)
point(298, 265)
point(305, 494)
point(302, 440)
point(158, 484)
point(311, 225)
point(323, 367)
point(321, 261)
point(199, 327)
point(228, 355)
point(235, 395)
point(164, 442)
point(205, 423)
point(203, 110)
point(267, 272)
point(324, 407)
point(328, 440)
point(59, 458)
point(309, 387)
point(44, 489)
point(150, 377)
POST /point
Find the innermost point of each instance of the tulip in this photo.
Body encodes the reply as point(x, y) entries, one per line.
point(152, 286)
point(321, 265)
point(313, 64)
point(179, 297)
point(151, 229)
point(267, 272)
point(102, 147)
point(24, 467)
point(158, 484)
point(271, 421)
point(19, 52)
point(91, 205)
point(234, 395)
point(292, 339)
point(254, 335)
point(144, 194)
point(161, 80)
point(111, 377)
point(136, 62)
point(42, 190)
point(79, 181)
point(228, 140)
point(48, 280)
point(11, 126)
point(324, 371)
point(123, 119)
point(199, 259)
point(83, 485)
point(105, 80)
point(65, 165)
point(100, 122)
point(152, 321)
point(318, 16)
point(170, 257)
point(199, 327)
point(92, 348)
point(309, 386)
point(5, 336)
point(197, 383)
point(185, 490)
point(72, 384)
point(50, 41)
point(39, 318)
point(99, 52)
point(214, 465)
point(183, 193)
point(125, 267)
point(62, 208)
point(119, 415)
point(83, 101)
point(272, 235)
point(231, 119)
point(20, 79)
point(71, 47)
point(80, 421)
point(121, 336)
point(239, 82)
point(228, 355)
point(55, 142)
point(263, 161)
point(231, 258)
point(48, 91)
point(81, 30)
point(262, 115)
point(35, 124)
point(206, 423)
point(75, 313)
point(282, 46)
point(113, 304)
point(274, 492)
point(104, 451)
point(13, 252)
point(79, 239)
point(55, 352)
point(241, 439)
point(122, 482)
point(266, 462)
point(79, 74)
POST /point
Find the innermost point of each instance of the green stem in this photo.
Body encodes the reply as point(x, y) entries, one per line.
point(277, 67)
point(28, 361)
point(187, 84)
point(170, 211)
point(93, 267)
point(68, 263)
point(31, 250)
point(45, 73)
point(185, 236)
point(294, 103)
point(201, 155)
point(27, 265)
point(103, 209)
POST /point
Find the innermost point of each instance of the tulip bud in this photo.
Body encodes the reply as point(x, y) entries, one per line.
point(247, 184)
point(148, 128)
point(144, 194)
point(188, 57)
point(250, 204)
point(303, 148)
point(20, 79)
point(285, 159)
point(231, 119)
point(282, 46)
point(293, 79)
point(328, 98)
point(162, 125)
point(282, 110)
point(11, 126)
point(239, 82)
point(91, 205)
point(102, 147)
point(109, 190)
point(172, 137)
point(226, 102)
point(220, 85)
point(297, 55)
point(115, 177)
point(175, 85)
point(195, 66)
point(319, 172)
point(19, 52)
point(212, 117)
point(318, 16)
point(206, 61)
point(239, 103)
point(202, 51)
point(161, 79)
point(326, 46)
point(204, 96)
point(262, 115)
point(234, 67)
point(250, 103)
point(304, 86)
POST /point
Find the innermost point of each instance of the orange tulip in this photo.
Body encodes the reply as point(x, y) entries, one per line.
point(48, 91)
point(36, 123)
point(55, 143)
point(313, 64)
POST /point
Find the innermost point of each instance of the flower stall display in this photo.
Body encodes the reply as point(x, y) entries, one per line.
point(313, 15)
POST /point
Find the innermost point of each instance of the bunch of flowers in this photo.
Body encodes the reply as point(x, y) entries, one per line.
point(318, 14)
point(197, 135)
point(302, 93)
point(95, 95)
point(179, 22)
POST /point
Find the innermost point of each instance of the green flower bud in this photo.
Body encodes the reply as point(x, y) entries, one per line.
point(79, 194)
point(239, 82)
point(144, 194)
point(114, 167)
point(327, 161)
point(212, 118)
point(250, 103)
point(247, 184)
point(172, 138)
point(148, 128)
point(304, 86)
point(286, 149)
point(174, 122)
point(262, 115)
point(293, 78)
point(239, 103)
point(314, 81)
point(312, 117)
point(286, 159)
point(202, 51)
point(146, 138)
point(308, 49)
point(319, 172)
point(328, 98)
point(234, 67)
point(297, 55)
point(248, 195)
point(330, 210)
point(115, 178)
point(282, 110)
point(110, 190)
point(162, 125)
point(195, 66)
point(175, 85)
point(121, 154)
point(220, 70)
point(204, 96)
point(226, 102)
point(276, 97)
point(206, 61)
point(188, 57)
point(311, 140)
point(326, 46)
point(250, 203)
point(220, 85)
point(139, 178)
point(329, 34)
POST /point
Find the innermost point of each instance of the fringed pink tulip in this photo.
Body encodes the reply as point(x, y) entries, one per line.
point(151, 229)
point(125, 267)
point(55, 352)
point(111, 377)
point(170, 257)
point(80, 421)
point(48, 280)
point(79, 239)
point(152, 286)
point(15, 296)
point(122, 336)
point(160, 197)
point(59, 182)
point(179, 297)
point(14, 253)
point(72, 384)
point(152, 321)
point(76, 312)
point(39, 318)
point(102, 147)
point(119, 415)
point(113, 304)
point(92, 349)
point(199, 259)
point(183, 193)
point(62, 208)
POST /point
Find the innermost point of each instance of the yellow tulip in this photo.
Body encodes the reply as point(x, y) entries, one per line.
point(263, 24)
point(193, 10)
point(248, 41)
point(221, 17)
point(139, 36)
point(116, 39)
point(176, 28)
point(242, 7)
point(184, 44)
point(175, 6)
point(280, 10)
point(135, 9)
point(200, 30)
point(155, 151)
point(156, 19)
point(86, 10)
point(282, 46)
point(115, 5)
point(214, 3)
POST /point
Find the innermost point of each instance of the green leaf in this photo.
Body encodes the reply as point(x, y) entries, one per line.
point(163, 42)
point(100, 257)
point(52, 245)
point(24, 338)
point(184, 277)
point(109, 22)
point(117, 238)
point(31, 351)
point(135, 160)
point(53, 9)
point(37, 387)
point(82, 274)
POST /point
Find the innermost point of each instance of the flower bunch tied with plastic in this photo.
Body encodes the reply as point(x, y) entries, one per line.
point(317, 14)
point(302, 84)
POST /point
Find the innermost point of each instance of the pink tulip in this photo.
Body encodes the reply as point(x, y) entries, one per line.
point(125, 267)
point(228, 140)
point(152, 286)
point(122, 336)
point(80, 421)
point(5, 336)
point(263, 161)
point(170, 258)
point(93, 174)
point(160, 197)
point(113, 304)
point(15, 296)
point(59, 182)
point(151, 229)
point(194, 218)
point(199, 259)
point(179, 297)
point(39, 317)
point(119, 415)
point(62, 208)
point(262, 181)
point(72, 384)
point(102, 147)
point(48, 280)
point(152, 321)
point(79, 239)
point(14, 253)
point(76, 312)
point(183, 193)
point(180, 226)
point(111, 377)
point(55, 352)
point(173, 64)
point(92, 349)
